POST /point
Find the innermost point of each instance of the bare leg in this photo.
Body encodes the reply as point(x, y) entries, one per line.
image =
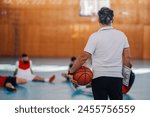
point(41, 79)
point(10, 87)
point(38, 78)
point(21, 81)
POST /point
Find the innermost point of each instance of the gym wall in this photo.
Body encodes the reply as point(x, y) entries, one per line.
point(56, 29)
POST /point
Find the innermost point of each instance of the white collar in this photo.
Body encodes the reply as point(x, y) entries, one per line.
point(106, 28)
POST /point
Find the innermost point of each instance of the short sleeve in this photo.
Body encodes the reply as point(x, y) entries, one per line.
point(91, 44)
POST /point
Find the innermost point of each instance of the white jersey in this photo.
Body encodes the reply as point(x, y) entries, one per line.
point(106, 47)
point(24, 73)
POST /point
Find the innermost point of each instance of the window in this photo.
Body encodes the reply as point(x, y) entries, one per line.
point(91, 7)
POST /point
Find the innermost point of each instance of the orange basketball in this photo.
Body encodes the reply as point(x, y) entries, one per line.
point(83, 76)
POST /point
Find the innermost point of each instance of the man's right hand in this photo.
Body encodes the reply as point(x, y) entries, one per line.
point(72, 80)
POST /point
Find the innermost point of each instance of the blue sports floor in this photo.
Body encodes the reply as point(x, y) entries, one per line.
point(60, 89)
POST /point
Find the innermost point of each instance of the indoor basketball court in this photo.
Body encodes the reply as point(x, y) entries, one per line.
point(53, 31)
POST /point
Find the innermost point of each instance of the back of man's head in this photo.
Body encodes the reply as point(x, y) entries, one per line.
point(105, 16)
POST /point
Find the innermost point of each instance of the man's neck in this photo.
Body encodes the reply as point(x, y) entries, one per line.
point(103, 25)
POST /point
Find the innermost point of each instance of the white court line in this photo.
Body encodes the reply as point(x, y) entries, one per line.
point(40, 68)
point(53, 68)
point(141, 70)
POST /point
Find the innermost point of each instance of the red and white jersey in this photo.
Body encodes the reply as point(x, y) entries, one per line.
point(2, 80)
point(24, 66)
point(24, 70)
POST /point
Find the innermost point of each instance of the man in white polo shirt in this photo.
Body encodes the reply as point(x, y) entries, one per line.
point(109, 50)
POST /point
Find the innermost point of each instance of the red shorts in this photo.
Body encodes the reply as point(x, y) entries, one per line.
point(9, 79)
point(2, 80)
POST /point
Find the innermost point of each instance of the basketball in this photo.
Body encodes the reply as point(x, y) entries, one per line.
point(83, 76)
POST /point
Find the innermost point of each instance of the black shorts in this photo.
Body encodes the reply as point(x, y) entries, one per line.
point(104, 88)
point(11, 80)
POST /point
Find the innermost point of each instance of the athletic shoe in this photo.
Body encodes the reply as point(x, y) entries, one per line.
point(51, 79)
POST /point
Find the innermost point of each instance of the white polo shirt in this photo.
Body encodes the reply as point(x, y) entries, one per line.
point(106, 47)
